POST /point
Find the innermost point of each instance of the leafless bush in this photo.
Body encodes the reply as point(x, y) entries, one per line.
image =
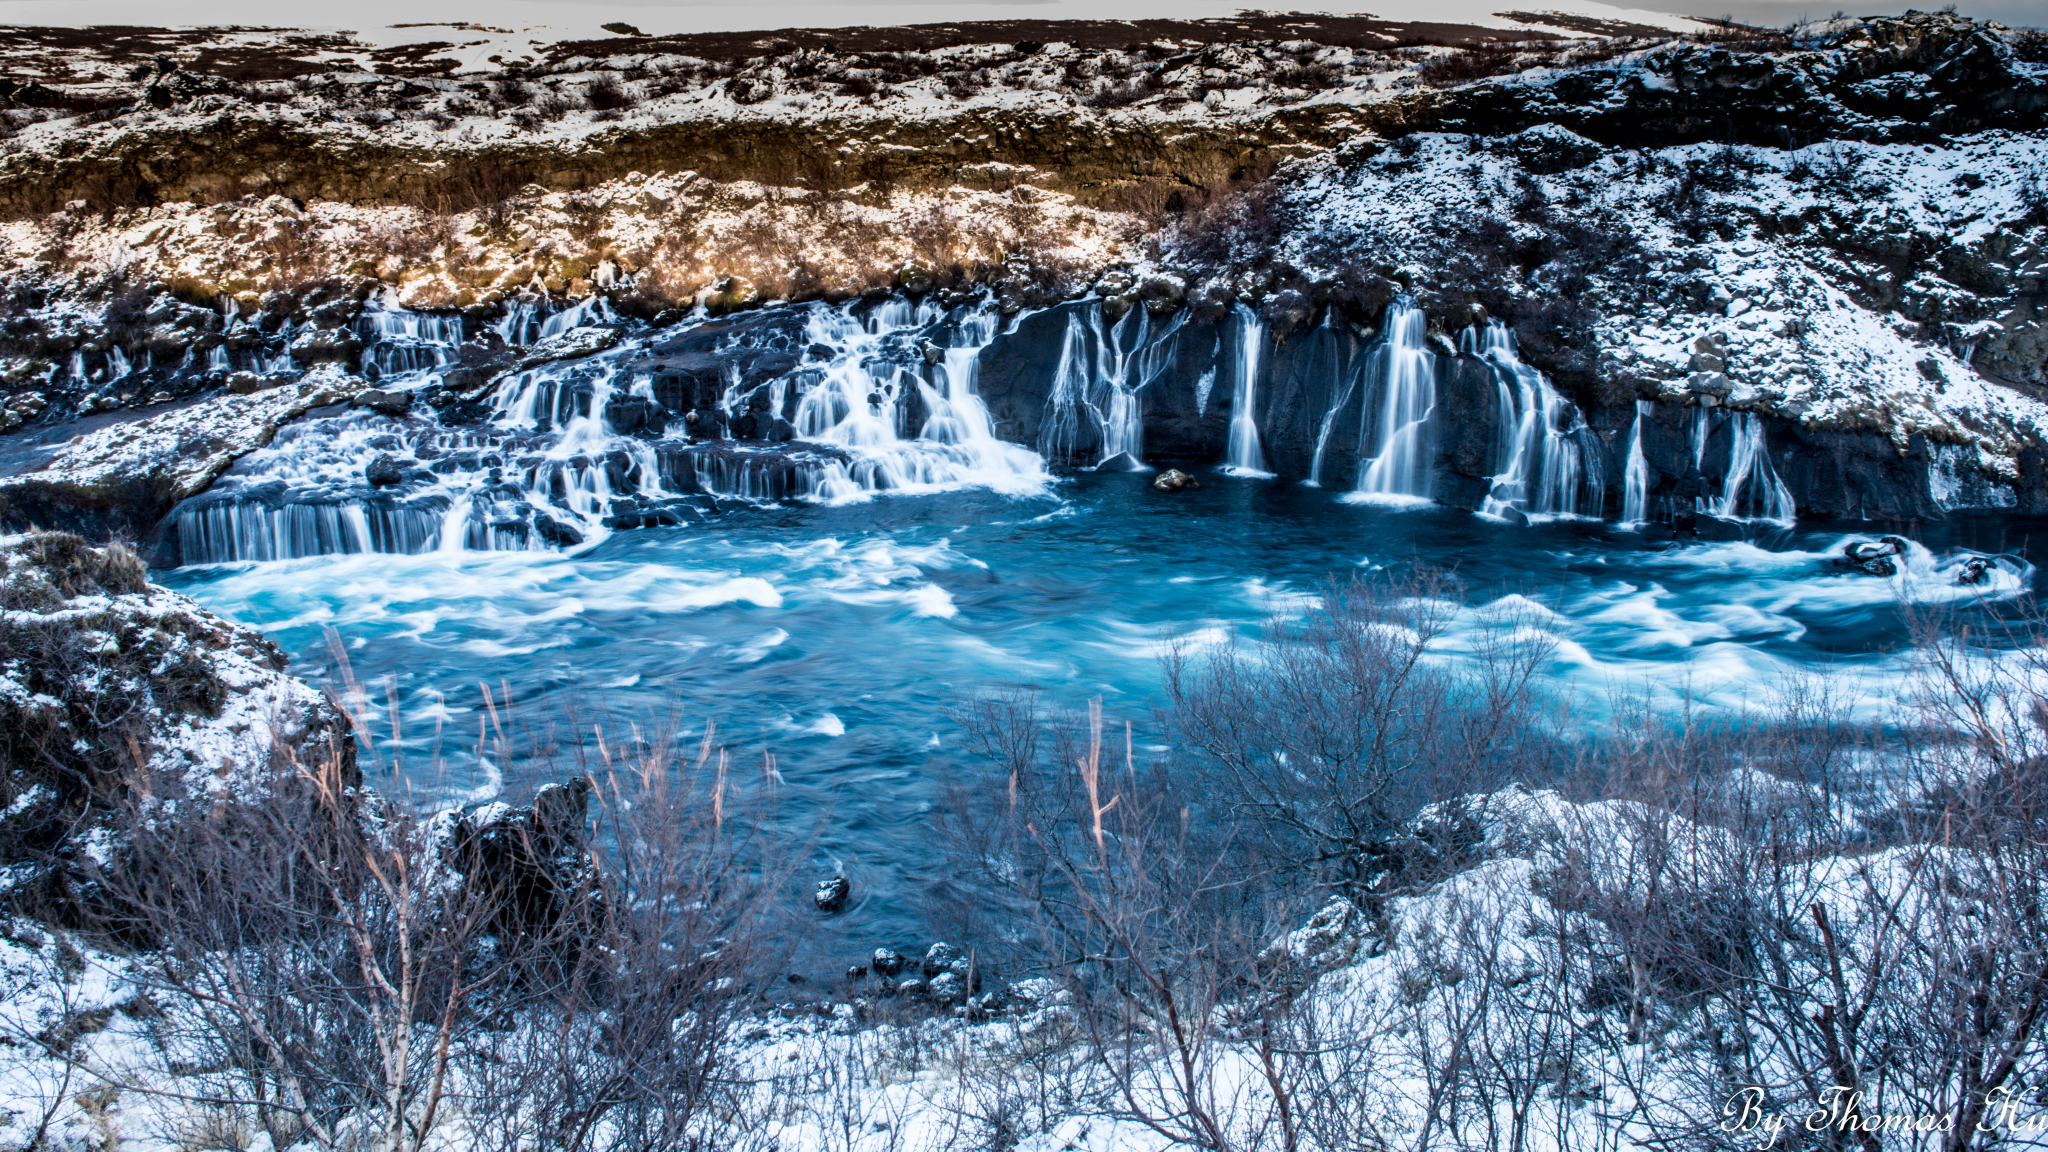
point(606, 94)
point(1462, 66)
point(339, 969)
point(1322, 740)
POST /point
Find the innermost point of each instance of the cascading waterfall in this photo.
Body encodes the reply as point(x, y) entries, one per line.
point(859, 404)
point(1095, 406)
point(1545, 463)
point(400, 341)
point(547, 469)
point(1351, 375)
point(1635, 486)
point(1750, 488)
point(1244, 457)
point(1394, 440)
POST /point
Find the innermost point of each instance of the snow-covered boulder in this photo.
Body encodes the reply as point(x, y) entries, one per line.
point(108, 682)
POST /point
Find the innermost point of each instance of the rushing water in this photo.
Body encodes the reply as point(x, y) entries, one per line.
point(916, 559)
point(837, 636)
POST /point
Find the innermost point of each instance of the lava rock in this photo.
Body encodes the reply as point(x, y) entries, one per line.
point(383, 472)
point(1173, 480)
point(1873, 558)
point(532, 862)
point(390, 403)
point(887, 962)
point(833, 894)
point(555, 532)
point(943, 957)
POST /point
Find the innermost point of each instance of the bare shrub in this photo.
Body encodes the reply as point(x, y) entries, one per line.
point(606, 94)
point(340, 970)
point(1462, 66)
point(1325, 737)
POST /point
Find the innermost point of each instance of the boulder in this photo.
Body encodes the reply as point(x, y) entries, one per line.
point(832, 895)
point(887, 962)
point(942, 957)
point(383, 472)
point(394, 402)
point(327, 345)
point(947, 989)
point(1875, 558)
point(531, 864)
point(570, 345)
point(1173, 480)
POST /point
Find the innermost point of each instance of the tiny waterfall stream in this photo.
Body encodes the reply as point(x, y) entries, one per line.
point(893, 555)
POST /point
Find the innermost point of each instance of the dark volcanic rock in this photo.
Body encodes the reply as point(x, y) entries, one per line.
point(532, 863)
point(832, 894)
point(383, 472)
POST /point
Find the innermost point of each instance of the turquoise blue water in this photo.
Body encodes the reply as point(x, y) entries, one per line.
point(836, 638)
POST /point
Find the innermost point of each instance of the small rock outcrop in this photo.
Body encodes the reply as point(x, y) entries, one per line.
point(107, 681)
point(530, 864)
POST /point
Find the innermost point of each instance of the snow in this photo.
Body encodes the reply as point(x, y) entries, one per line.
point(1465, 966)
point(184, 449)
point(1800, 337)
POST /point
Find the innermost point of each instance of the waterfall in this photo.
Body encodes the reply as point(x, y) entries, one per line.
point(1350, 375)
point(399, 341)
point(1394, 440)
point(1094, 406)
point(592, 311)
point(1635, 491)
point(1244, 456)
point(521, 323)
point(230, 531)
point(1750, 488)
point(1545, 462)
point(882, 399)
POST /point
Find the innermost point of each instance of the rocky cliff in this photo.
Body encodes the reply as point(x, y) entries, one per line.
point(1798, 272)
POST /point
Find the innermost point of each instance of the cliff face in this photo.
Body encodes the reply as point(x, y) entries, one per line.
point(1824, 250)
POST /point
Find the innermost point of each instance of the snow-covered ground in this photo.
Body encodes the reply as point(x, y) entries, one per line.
point(1495, 1009)
point(519, 27)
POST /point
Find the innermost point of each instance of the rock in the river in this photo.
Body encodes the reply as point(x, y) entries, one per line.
point(856, 973)
point(532, 861)
point(394, 402)
point(887, 962)
point(382, 471)
point(1873, 557)
point(1173, 480)
point(948, 988)
point(570, 345)
point(327, 345)
point(1975, 570)
point(832, 894)
point(1121, 462)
